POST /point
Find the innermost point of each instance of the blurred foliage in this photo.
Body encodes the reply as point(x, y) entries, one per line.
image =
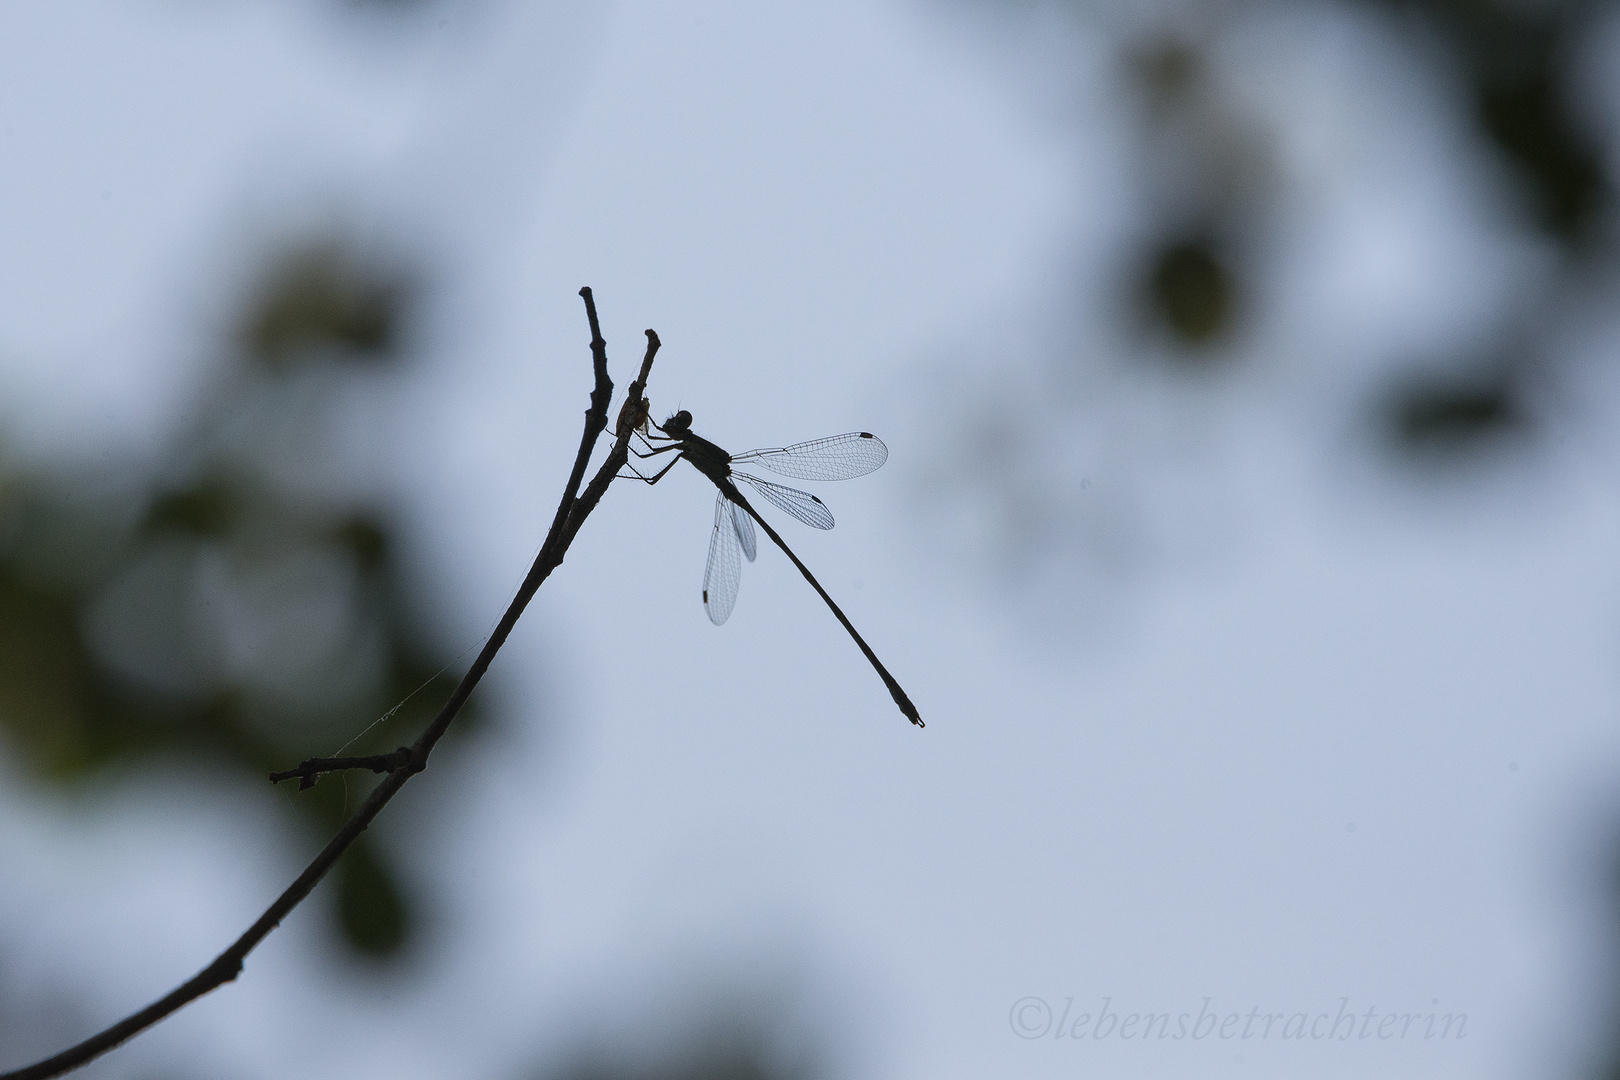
point(729, 1054)
point(211, 609)
point(323, 295)
point(1206, 182)
point(1204, 179)
point(1170, 72)
point(1517, 58)
point(1190, 291)
point(1455, 416)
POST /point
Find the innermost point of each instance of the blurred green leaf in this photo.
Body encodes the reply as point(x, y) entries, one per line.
point(1518, 58)
point(739, 1054)
point(324, 297)
point(1190, 290)
point(1452, 417)
point(206, 508)
point(199, 614)
point(371, 906)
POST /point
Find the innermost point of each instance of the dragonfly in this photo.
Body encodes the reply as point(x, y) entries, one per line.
point(839, 457)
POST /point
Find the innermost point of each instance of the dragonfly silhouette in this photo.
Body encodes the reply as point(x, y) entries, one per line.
point(840, 457)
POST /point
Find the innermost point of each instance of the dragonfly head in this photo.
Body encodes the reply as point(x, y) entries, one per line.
point(678, 425)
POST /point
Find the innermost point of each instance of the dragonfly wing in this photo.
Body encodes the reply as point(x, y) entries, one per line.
point(801, 504)
point(745, 529)
point(723, 573)
point(839, 457)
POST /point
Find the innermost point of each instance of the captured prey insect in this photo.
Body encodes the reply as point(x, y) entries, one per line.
point(840, 457)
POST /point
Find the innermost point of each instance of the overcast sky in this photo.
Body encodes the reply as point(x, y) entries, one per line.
point(1222, 715)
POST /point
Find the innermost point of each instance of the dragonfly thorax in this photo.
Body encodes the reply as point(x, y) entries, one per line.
point(709, 459)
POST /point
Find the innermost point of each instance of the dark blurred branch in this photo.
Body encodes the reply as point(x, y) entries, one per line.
point(407, 761)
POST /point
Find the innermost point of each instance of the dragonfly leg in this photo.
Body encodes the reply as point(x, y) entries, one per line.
point(652, 453)
point(655, 477)
point(647, 438)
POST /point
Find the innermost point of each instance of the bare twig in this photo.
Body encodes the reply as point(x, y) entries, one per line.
point(570, 516)
point(407, 761)
point(311, 769)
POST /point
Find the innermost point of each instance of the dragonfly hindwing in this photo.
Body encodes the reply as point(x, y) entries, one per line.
point(745, 529)
point(801, 504)
point(723, 573)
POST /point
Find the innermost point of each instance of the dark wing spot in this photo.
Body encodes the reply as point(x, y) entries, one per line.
point(705, 596)
point(813, 497)
point(867, 435)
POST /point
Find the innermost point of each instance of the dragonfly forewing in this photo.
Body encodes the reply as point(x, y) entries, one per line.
point(837, 457)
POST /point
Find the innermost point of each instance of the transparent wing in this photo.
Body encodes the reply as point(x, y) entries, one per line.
point(745, 529)
point(840, 457)
point(723, 573)
point(801, 504)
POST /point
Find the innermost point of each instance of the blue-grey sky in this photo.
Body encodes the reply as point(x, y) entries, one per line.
point(1220, 707)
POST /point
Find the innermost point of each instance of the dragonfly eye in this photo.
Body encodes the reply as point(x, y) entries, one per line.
point(680, 421)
